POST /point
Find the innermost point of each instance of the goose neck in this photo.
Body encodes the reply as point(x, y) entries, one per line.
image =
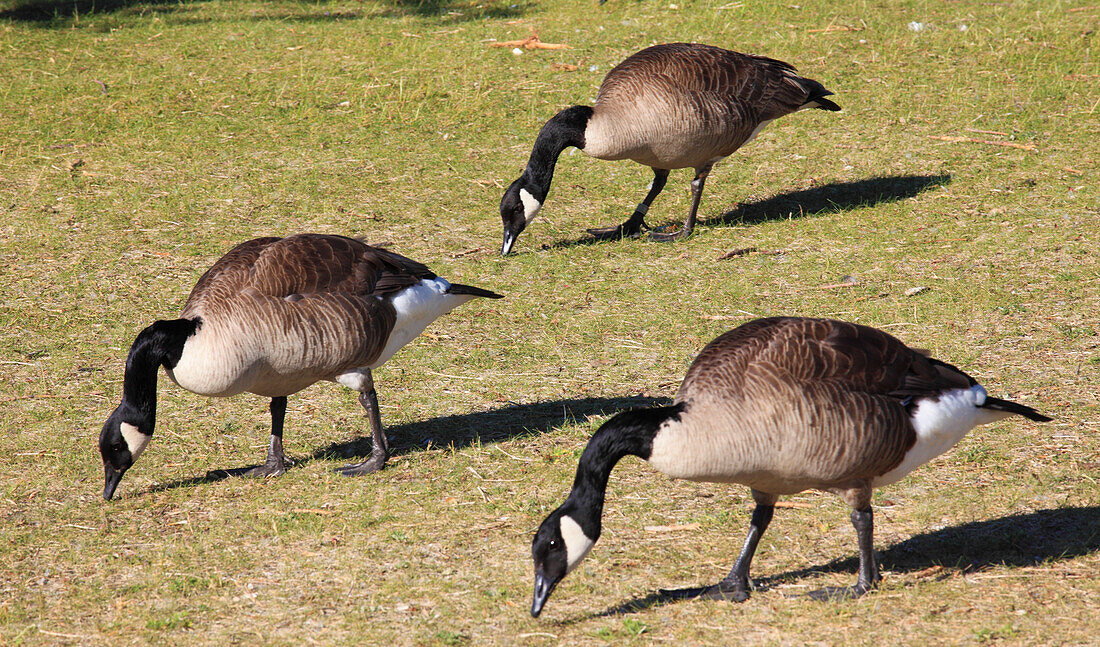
point(565, 129)
point(629, 433)
point(160, 344)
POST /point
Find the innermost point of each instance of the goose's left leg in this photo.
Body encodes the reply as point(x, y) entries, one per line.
point(735, 586)
point(701, 174)
point(276, 462)
point(864, 522)
point(636, 223)
point(380, 449)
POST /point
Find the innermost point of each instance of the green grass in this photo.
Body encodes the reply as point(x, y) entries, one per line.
point(139, 141)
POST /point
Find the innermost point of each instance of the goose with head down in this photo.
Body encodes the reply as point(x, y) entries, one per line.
point(271, 317)
point(781, 405)
point(671, 106)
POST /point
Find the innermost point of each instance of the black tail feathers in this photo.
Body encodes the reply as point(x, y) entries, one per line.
point(1008, 406)
point(825, 104)
point(458, 288)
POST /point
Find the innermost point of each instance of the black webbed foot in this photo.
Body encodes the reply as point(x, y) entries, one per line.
point(629, 229)
point(369, 466)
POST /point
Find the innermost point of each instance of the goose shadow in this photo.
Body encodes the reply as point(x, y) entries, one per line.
point(1015, 541)
point(458, 431)
point(62, 13)
point(827, 198)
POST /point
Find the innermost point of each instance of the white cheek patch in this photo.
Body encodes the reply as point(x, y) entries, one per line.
point(531, 205)
point(577, 544)
point(135, 440)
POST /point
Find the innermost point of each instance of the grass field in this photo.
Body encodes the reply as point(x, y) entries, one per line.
point(139, 141)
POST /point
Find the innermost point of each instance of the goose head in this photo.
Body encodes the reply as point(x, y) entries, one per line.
point(558, 547)
point(517, 208)
point(124, 437)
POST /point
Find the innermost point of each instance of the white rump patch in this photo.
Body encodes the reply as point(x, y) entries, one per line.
point(577, 544)
point(135, 440)
point(939, 425)
point(531, 205)
point(355, 380)
point(417, 306)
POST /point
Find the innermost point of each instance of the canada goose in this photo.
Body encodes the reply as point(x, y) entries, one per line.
point(781, 405)
point(271, 317)
point(678, 105)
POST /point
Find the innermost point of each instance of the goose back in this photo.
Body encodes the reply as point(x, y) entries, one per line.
point(683, 105)
point(788, 404)
point(280, 314)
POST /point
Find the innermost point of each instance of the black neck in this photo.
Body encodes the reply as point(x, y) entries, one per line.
point(161, 344)
point(627, 433)
point(565, 129)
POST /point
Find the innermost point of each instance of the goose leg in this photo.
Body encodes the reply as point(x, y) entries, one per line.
point(276, 462)
point(864, 522)
point(735, 586)
point(689, 224)
point(636, 223)
point(380, 448)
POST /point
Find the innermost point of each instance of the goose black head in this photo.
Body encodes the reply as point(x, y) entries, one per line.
point(122, 440)
point(558, 547)
point(517, 208)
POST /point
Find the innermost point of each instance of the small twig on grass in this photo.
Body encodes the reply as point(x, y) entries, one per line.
point(467, 252)
point(972, 140)
point(522, 460)
point(834, 28)
point(456, 377)
point(531, 42)
point(832, 286)
point(747, 251)
point(60, 635)
point(795, 505)
point(986, 132)
point(686, 526)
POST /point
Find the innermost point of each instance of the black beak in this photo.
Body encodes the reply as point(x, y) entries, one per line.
point(509, 240)
point(543, 588)
point(113, 476)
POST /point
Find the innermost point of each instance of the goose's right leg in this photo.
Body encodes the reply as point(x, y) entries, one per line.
point(633, 226)
point(735, 586)
point(276, 462)
point(380, 450)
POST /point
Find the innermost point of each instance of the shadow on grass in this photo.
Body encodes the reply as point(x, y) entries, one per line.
point(459, 431)
point(827, 198)
point(1018, 540)
point(62, 13)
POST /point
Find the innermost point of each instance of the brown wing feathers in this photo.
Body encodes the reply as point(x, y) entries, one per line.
point(310, 264)
point(755, 87)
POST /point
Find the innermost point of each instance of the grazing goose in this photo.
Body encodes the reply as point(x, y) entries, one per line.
point(781, 405)
point(271, 317)
point(678, 105)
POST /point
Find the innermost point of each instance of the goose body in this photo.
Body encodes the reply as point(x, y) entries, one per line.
point(781, 405)
point(671, 106)
point(272, 317)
